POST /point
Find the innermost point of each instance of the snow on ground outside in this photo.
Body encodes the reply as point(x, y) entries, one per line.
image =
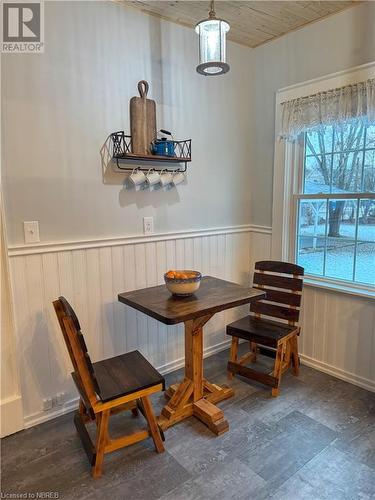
point(340, 259)
point(366, 232)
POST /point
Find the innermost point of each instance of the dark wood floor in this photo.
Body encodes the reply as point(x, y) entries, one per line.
point(316, 441)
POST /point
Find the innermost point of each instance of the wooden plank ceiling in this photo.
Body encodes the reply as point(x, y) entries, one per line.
point(252, 23)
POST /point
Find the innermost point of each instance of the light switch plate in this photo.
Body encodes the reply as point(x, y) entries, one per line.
point(31, 230)
point(148, 225)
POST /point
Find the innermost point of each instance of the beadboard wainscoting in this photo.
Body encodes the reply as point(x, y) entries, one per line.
point(338, 330)
point(338, 335)
point(90, 275)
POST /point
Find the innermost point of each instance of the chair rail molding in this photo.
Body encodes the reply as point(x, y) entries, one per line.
point(65, 245)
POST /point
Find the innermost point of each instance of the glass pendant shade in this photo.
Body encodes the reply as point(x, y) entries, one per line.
point(212, 46)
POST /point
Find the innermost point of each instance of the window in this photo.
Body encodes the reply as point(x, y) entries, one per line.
point(335, 222)
point(323, 214)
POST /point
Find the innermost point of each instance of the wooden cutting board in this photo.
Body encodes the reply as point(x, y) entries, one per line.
point(142, 121)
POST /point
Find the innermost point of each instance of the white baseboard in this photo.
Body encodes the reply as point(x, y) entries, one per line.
point(338, 373)
point(44, 416)
point(11, 415)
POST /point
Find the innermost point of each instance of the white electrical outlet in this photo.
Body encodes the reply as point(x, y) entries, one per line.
point(47, 404)
point(148, 225)
point(60, 397)
point(31, 230)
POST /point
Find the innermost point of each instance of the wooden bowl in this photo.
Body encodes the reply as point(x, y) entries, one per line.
point(183, 287)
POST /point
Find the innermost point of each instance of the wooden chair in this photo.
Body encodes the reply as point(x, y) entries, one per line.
point(107, 387)
point(283, 285)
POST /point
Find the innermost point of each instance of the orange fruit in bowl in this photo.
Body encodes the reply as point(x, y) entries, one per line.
point(183, 282)
point(181, 274)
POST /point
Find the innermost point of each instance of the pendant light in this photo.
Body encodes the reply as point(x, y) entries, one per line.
point(212, 45)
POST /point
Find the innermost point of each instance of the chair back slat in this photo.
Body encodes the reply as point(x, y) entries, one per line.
point(84, 375)
point(289, 299)
point(275, 311)
point(275, 266)
point(283, 290)
point(277, 281)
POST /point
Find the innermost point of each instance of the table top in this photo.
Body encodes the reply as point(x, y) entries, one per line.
point(214, 295)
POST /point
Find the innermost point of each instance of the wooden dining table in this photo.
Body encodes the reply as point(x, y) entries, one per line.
point(194, 395)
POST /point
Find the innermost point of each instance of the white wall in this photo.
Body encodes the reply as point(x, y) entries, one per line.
point(59, 107)
point(57, 110)
point(339, 42)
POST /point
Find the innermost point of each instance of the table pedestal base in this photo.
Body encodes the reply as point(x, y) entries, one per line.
point(182, 406)
point(195, 395)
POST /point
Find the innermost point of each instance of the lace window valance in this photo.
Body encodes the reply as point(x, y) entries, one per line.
point(352, 102)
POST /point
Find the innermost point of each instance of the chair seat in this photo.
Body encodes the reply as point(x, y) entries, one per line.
point(125, 374)
point(261, 331)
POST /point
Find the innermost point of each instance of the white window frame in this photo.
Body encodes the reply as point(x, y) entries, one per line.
point(287, 178)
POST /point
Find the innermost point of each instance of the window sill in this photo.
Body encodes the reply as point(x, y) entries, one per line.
point(334, 286)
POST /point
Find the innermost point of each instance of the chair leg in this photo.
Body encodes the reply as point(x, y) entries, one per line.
point(233, 354)
point(154, 429)
point(101, 440)
point(253, 349)
point(135, 412)
point(295, 358)
point(81, 408)
point(277, 371)
point(287, 356)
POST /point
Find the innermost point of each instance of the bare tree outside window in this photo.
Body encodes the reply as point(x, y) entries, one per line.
point(336, 230)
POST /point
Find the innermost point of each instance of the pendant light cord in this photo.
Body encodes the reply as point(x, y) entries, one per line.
point(212, 12)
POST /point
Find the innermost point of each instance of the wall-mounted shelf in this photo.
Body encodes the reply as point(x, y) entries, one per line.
point(122, 147)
